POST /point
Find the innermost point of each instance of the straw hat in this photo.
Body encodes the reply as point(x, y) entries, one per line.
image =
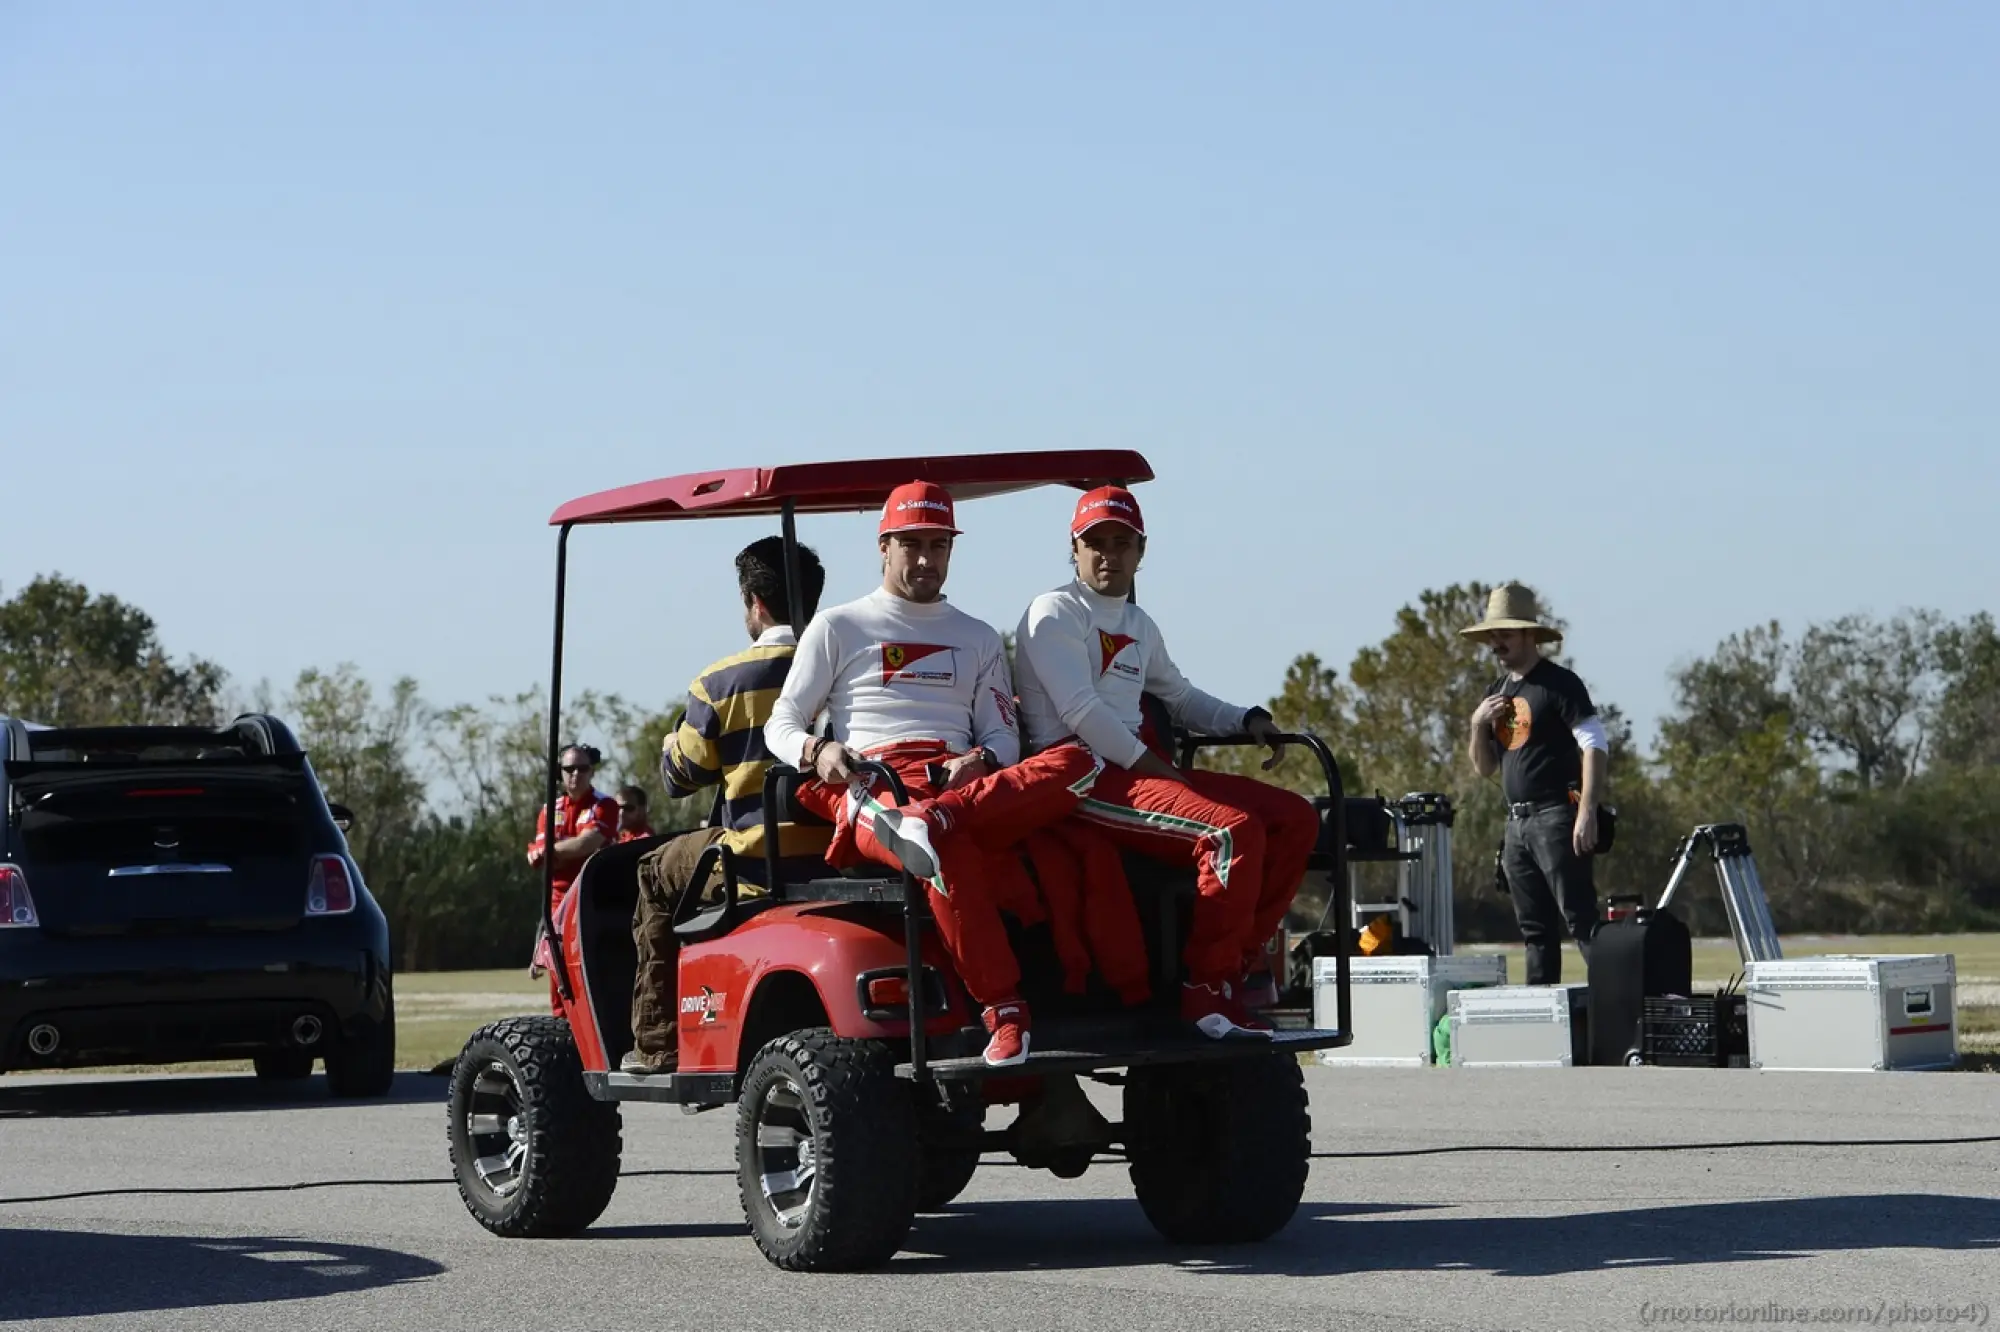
point(1513, 606)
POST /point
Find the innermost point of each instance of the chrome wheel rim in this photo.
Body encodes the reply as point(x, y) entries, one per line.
point(787, 1153)
point(496, 1129)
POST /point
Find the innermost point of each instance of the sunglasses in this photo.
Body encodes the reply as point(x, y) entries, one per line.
point(576, 767)
point(626, 809)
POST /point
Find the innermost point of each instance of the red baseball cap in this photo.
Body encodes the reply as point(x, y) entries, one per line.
point(1107, 504)
point(918, 506)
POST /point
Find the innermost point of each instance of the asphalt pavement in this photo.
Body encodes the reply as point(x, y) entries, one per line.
point(1439, 1199)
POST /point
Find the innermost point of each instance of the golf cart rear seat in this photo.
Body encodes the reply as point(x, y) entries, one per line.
point(856, 883)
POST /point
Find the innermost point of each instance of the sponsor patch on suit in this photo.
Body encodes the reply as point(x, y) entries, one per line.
point(919, 664)
point(1110, 648)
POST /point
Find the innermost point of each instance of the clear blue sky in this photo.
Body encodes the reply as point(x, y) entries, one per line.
point(310, 315)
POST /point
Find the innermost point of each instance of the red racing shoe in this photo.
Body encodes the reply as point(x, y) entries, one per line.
point(1007, 1023)
point(1219, 1015)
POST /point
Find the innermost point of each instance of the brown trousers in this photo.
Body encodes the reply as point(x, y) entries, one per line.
point(664, 874)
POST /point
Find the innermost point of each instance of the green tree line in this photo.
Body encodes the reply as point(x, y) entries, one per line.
point(1863, 754)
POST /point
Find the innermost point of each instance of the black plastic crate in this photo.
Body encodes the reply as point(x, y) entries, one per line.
point(1700, 1031)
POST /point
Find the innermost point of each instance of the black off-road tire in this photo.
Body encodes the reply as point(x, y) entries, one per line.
point(946, 1166)
point(534, 1154)
point(942, 1176)
point(836, 1106)
point(283, 1065)
point(1219, 1150)
point(363, 1063)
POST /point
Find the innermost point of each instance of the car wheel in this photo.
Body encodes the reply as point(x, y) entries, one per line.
point(534, 1154)
point(362, 1062)
point(1219, 1150)
point(283, 1065)
point(826, 1153)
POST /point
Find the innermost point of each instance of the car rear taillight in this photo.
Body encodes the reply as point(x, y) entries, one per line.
point(17, 909)
point(330, 891)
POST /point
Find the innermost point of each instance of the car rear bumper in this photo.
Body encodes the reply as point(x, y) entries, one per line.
point(145, 1001)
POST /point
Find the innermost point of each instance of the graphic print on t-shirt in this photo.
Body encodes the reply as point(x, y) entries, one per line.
point(1515, 729)
point(1109, 646)
point(919, 663)
point(1540, 758)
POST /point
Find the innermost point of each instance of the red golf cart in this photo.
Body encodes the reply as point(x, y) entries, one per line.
point(828, 1013)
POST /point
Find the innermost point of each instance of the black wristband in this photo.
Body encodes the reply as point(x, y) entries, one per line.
point(1253, 713)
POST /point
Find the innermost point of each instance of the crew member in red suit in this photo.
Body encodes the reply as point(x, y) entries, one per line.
point(586, 822)
point(909, 680)
point(1087, 656)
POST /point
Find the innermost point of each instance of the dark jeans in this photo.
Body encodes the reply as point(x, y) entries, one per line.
point(1549, 881)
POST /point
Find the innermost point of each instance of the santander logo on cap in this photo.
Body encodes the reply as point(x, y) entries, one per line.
point(1107, 504)
point(919, 505)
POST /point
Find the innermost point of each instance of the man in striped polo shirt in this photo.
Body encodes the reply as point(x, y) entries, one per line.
point(720, 742)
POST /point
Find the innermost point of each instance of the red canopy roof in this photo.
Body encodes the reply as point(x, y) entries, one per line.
point(844, 487)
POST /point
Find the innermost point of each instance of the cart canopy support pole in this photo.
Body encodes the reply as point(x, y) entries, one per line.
point(555, 762)
point(794, 594)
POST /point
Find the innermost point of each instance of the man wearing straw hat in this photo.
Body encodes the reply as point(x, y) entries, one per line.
point(1539, 730)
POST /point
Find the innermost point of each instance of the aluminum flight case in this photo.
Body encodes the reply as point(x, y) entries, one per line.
point(1520, 1026)
point(1396, 1003)
point(1862, 1013)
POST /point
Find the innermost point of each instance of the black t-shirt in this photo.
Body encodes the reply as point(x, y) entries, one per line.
point(1539, 758)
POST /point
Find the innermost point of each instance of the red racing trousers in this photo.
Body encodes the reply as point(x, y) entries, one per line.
point(1249, 842)
point(1092, 919)
point(969, 825)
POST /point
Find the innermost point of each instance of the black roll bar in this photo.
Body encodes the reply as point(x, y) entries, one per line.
point(916, 902)
point(774, 774)
point(1336, 817)
point(794, 600)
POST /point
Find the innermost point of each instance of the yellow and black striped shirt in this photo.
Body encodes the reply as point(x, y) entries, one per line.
point(721, 741)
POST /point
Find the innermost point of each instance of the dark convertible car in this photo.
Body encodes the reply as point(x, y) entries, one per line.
point(170, 894)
